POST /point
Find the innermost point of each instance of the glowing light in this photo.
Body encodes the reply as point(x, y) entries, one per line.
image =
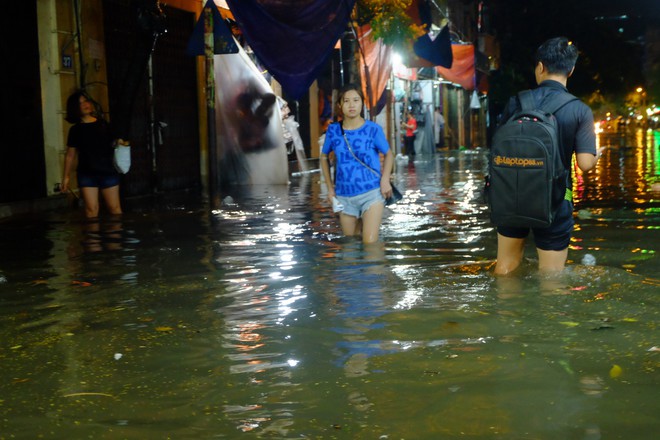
point(397, 60)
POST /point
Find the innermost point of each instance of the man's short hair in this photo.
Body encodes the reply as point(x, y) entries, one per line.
point(558, 55)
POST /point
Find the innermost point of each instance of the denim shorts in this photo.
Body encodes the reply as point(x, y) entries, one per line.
point(555, 237)
point(357, 205)
point(98, 181)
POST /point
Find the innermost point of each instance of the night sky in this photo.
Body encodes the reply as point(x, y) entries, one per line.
point(611, 48)
point(645, 8)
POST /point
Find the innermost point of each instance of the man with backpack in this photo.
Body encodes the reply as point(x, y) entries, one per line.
point(518, 178)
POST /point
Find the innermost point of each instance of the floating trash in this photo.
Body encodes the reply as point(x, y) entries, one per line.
point(589, 260)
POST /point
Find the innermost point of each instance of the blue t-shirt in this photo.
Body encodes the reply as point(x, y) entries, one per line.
point(353, 178)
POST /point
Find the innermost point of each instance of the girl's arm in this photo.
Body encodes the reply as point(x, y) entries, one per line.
point(69, 159)
point(325, 169)
point(385, 184)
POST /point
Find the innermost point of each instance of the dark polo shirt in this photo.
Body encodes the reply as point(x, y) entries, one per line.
point(576, 121)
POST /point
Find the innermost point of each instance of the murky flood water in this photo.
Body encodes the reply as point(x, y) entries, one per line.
point(260, 321)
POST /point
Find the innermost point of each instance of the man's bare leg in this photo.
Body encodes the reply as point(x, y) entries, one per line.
point(552, 261)
point(509, 254)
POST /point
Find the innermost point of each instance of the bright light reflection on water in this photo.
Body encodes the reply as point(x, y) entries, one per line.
point(259, 321)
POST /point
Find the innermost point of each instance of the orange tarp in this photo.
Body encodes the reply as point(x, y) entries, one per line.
point(462, 69)
point(377, 58)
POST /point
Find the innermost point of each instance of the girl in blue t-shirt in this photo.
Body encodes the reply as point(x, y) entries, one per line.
point(360, 185)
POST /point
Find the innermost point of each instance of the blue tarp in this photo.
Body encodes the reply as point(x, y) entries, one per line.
point(437, 51)
point(292, 39)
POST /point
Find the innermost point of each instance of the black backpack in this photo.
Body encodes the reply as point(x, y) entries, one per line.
point(527, 179)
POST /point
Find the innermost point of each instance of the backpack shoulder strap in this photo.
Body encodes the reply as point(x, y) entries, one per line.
point(526, 100)
point(553, 103)
point(557, 101)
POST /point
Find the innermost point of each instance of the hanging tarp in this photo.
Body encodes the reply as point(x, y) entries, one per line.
point(403, 72)
point(462, 69)
point(292, 39)
point(375, 67)
point(427, 50)
point(249, 124)
point(223, 41)
point(437, 52)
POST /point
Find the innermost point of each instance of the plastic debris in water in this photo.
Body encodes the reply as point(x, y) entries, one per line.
point(80, 283)
point(615, 371)
point(584, 214)
point(589, 260)
point(118, 356)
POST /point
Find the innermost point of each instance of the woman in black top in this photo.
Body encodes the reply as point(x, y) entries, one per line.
point(90, 141)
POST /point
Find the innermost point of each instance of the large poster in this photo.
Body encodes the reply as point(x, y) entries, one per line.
point(249, 129)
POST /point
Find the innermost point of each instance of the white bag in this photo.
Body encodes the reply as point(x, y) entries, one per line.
point(337, 205)
point(122, 159)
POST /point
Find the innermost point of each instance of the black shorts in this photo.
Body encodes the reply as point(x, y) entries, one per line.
point(98, 181)
point(555, 237)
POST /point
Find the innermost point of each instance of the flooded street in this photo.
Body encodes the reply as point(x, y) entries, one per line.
point(259, 320)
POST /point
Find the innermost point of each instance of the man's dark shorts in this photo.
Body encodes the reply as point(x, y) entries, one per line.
point(556, 237)
point(98, 181)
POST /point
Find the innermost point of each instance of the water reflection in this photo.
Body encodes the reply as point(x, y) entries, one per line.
point(102, 234)
point(259, 320)
point(616, 201)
